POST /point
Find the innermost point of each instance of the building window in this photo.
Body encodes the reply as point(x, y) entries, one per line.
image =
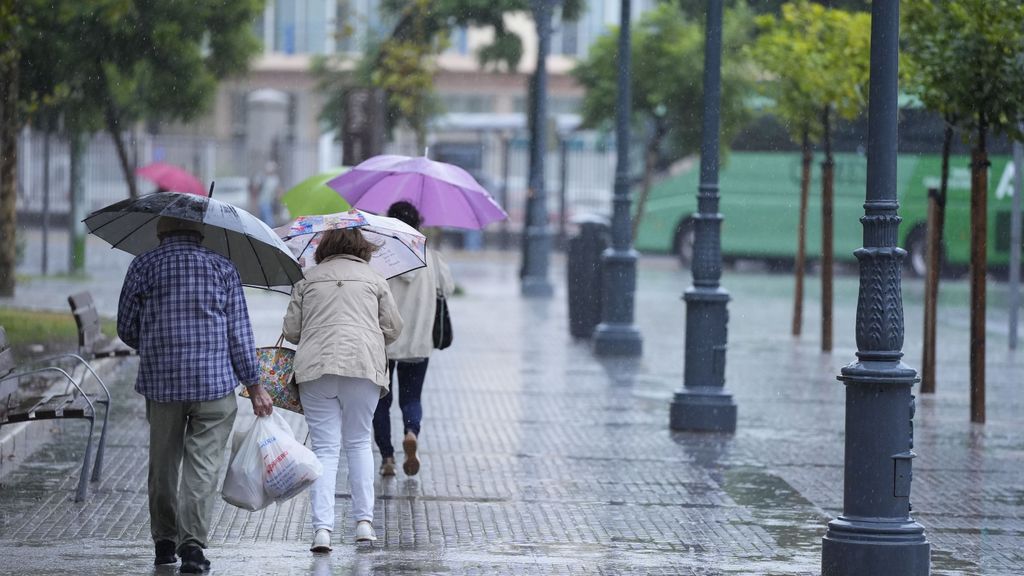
point(469, 103)
point(563, 105)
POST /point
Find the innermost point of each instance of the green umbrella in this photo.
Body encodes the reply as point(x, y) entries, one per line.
point(313, 196)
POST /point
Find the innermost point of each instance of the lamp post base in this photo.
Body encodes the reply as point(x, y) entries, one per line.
point(536, 250)
point(612, 339)
point(703, 412)
point(537, 287)
point(855, 547)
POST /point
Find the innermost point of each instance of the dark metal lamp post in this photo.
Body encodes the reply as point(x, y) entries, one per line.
point(537, 238)
point(875, 534)
point(703, 404)
point(616, 335)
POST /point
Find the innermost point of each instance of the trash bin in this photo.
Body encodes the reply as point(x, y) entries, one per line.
point(585, 283)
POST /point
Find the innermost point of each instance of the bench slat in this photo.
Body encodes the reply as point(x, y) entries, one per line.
point(71, 406)
point(23, 409)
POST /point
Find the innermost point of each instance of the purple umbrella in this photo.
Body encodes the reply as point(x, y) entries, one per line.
point(445, 195)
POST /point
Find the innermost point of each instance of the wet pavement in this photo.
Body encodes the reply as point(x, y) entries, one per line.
point(541, 459)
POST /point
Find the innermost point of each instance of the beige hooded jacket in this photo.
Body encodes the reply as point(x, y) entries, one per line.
point(342, 316)
point(416, 294)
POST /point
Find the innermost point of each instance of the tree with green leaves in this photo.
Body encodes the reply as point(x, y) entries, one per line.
point(107, 64)
point(695, 8)
point(785, 58)
point(402, 64)
point(158, 61)
point(924, 65)
point(405, 65)
point(818, 58)
point(27, 90)
point(966, 59)
point(667, 83)
point(10, 59)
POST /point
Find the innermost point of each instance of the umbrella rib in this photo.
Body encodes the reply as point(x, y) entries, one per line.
point(306, 247)
point(101, 226)
point(139, 227)
point(279, 255)
point(258, 261)
point(423, 184)
point(396, 237)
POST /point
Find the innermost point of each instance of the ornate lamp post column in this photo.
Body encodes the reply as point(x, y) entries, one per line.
point(703, 404)
point(875, 534)
point(616, 335)
point(537, 238)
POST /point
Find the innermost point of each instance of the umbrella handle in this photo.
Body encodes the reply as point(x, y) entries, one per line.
point(212, 184)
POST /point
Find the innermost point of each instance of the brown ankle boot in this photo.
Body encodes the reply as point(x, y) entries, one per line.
point(387, 467)
point(412, 463)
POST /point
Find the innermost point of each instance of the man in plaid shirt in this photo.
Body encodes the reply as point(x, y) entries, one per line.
point(182, 307)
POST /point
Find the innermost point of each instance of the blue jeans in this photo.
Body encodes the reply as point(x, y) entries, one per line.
point(410, 385)
point(267, 213)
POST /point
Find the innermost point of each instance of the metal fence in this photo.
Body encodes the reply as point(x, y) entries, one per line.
point(579, 172)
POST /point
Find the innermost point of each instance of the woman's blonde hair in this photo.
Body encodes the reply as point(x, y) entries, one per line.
point(344, 241)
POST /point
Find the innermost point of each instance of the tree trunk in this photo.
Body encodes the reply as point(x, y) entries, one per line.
point(801, 245)
point(8, 173)
point(979, 265)
point(76, 228)
point(936, 221)
point(127, 165)
point(826, 236)
point(650, 158)
point(420, 130)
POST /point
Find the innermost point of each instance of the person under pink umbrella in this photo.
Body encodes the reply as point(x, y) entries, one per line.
point(169, 177)
point(444, 194)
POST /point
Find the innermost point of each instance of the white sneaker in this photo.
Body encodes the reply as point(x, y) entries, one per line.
point(364, 532)
point(321, 541)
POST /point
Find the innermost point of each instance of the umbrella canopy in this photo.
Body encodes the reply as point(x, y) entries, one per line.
point(261, 258)
point(314, 196)
point(445, 195)
point(402, 247)
point(171, 177)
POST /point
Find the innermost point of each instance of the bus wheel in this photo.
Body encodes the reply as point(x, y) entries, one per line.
point(917, 252)
point(682, 246)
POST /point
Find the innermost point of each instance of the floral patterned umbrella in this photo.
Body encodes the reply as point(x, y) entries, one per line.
point(402, 247)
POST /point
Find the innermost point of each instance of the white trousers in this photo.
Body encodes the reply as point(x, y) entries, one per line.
point(340, 409)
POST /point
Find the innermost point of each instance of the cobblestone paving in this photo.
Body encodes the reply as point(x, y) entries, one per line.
point(541, 459)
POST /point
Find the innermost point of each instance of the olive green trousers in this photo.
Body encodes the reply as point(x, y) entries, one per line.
point(186, 454)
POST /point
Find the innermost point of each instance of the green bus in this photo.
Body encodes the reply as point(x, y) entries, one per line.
point(760, 197)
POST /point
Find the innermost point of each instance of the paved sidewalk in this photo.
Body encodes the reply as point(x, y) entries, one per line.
point(541, 459)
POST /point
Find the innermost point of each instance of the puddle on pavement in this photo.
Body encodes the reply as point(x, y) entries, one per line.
point(790, 519)
point(945, 564)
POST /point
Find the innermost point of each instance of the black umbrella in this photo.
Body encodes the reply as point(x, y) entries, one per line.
point(261, 258)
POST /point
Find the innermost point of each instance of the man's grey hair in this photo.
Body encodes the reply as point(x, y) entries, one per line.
point(167, 225)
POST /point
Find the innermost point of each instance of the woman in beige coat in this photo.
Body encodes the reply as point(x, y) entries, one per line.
point(416, 294)
point(341, 316)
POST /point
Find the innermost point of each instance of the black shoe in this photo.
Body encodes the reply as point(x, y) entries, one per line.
point(193, 561)
point(164, 553)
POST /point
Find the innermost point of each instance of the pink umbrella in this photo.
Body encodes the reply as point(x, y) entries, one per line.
point(172, 178)
point(445, 195)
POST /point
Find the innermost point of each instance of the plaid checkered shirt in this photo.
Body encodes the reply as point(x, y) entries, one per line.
point(182, 307)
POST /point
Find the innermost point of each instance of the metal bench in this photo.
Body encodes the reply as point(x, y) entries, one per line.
point(91, 343)
point(19, 405)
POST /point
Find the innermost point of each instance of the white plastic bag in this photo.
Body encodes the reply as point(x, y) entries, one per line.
point(268, 466)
